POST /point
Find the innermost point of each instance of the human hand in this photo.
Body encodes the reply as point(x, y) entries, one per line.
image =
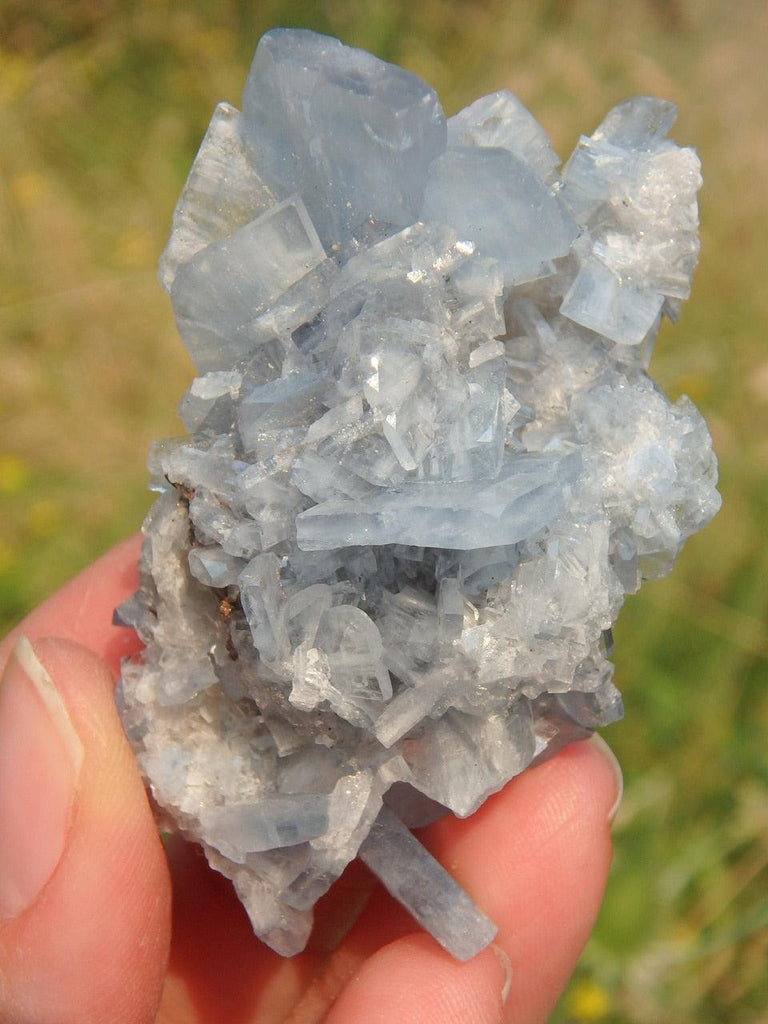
point(87, 893)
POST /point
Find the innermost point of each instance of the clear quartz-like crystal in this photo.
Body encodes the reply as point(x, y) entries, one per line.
point(424, 465)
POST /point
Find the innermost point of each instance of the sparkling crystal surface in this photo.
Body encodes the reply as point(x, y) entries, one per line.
point(424, 465)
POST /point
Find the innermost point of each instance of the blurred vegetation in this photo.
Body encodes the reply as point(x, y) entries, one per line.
point(102, 104)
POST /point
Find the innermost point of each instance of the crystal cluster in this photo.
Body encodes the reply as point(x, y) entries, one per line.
point(424, 464)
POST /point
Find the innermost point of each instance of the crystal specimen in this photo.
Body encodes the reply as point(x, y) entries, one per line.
point(424, 465)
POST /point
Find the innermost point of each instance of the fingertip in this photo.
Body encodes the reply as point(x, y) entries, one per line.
point(535, 859)
point(598, 743)
point(412, 979)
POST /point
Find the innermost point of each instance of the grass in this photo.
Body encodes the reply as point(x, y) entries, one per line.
point(102, 105)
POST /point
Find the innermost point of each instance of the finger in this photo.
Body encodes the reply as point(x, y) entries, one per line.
point(535, 859)
point(82, 609)
point(218, 970)
point(413, 981)
point(84, 891)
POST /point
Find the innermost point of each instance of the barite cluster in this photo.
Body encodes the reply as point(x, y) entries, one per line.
point(424, 465)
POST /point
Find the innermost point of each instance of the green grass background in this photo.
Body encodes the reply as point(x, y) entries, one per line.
point(102, 105)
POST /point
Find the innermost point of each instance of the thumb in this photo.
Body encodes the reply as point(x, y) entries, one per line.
point(84, 890)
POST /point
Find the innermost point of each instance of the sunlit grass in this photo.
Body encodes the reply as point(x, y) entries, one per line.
point(101, 108)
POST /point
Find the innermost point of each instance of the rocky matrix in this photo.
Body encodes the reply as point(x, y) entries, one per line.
point(424, 466)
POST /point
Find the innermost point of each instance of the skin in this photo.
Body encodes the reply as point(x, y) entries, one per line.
point(127, 931)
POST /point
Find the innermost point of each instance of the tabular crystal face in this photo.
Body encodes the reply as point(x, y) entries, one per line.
point(424, 465)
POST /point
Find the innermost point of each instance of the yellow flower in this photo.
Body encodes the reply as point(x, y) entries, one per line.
point(587, 1001)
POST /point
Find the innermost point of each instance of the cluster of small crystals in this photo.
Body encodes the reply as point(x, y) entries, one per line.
point(424, 465)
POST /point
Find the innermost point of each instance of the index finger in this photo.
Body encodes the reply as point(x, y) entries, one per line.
point(82, 609)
